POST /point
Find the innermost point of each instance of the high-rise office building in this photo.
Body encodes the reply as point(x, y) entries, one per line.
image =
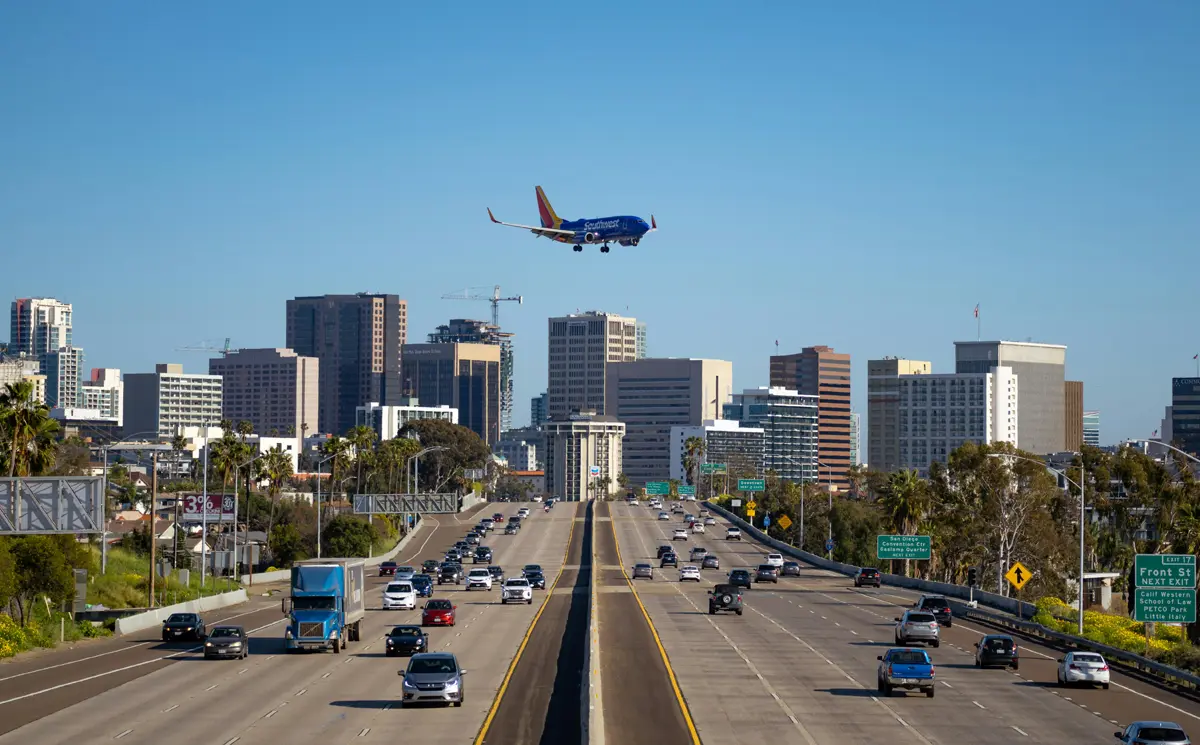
point(641, 341)
point(855, 439)
point(883, 409)
point(1185, 415)
point(652, 395)
point(63, 369)
point(538, 412)
point(938, 413)
point(1073, 415)
point(276, 390)
point(790, 430)
point(104, 392)
point(1091, 428)
point(168, 399)
point(820, 371)
point(726, 442)
point(357, 339)
point(1041, 369)
point(465, 377)
point(463, 331)
point(39, 325)
point(583, 455)
point(581, 346)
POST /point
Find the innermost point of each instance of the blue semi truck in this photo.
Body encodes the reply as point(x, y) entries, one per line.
point(326, 605)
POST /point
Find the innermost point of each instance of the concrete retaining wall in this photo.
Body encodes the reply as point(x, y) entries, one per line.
point(471, 500)
point(285, 575)
point(153, 618)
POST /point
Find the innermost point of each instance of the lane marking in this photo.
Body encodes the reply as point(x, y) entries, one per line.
point(271, 713)
point(364, 732)
point(947, 684)
point(243, 670)
point(302, 691)
point(173, 708)
point(1020, 731)
point(326, 675)
point(214, 685)
point(512, 667)
point(126, 732)
point(981, 706)
point(232, 740)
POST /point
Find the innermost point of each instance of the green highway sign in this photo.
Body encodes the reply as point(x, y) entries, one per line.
point(1176, 571)
point(752, 485)
point(918, 547)
point(1164, 606)
point(658, 488)
point(712, 468)
point(687, 491)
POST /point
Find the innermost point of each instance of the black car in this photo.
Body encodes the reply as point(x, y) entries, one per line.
point(483, 555)
point(450, 574)
point(664, 549)
point(429, 566)
point(537, 580)
point(227, 641)
point(423, 584)
point(403, 640)
point(710, 562)
point(997, 650)
point(387, 569)
point(183, 626)
point(531, 568)
point(453, 555)
point(669, 560)
point(790, 569)
point(740, 578)
point(725, 598)
point(766, 573)
point(867, 576)
point(497, 572)
point(938, 606)
point(510, 529)
point(472, 539)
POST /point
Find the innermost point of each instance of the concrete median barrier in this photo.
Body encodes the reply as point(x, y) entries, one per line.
point(152, 618)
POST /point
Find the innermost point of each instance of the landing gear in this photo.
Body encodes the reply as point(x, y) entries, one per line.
point(604, 249)
point(578, 248)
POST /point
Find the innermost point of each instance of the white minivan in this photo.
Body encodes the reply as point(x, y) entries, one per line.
point(399, 596)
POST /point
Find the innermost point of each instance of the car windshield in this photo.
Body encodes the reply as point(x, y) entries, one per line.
point(516, 583)
point(766, 568)
point(999, 642)
point(314, 603)
point(388, 564)
point(399, 587)
point(870, 571)
point(907, 657)
point(439, 605)
point(405, 569)
point(739, 573)
point(642, 566)
point(1093, 659)
point(480, 573)
point(181, 618)
point(432, 665)
point(405, 631)
point(226, 632)
point(935, 604)
point(1161, 734)
point(724, 588)
point(421, 579)
point(921, 618)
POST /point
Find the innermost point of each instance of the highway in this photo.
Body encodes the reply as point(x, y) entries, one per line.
point(273, 697)
point(800, 665)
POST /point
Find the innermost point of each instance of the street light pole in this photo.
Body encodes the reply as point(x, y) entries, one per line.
point(319, 502)
point(829, 539)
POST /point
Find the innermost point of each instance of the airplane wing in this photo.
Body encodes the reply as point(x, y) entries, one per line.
point(535, 229)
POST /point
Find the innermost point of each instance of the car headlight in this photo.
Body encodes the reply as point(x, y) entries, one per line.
point(408, 685)
point(452, 686)
point(208, 644)
point(236, 645)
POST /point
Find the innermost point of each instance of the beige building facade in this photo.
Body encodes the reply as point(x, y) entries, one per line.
point(581, 346)
point(583, 456)
point(276, 390)
point(883, 409)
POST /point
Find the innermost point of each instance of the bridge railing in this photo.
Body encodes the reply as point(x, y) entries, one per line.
point(1011, 615)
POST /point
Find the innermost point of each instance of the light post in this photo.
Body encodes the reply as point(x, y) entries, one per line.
point(829, 539)
point(803, 464)
point(236, 563)
point(318, 500)
point(1082, 513)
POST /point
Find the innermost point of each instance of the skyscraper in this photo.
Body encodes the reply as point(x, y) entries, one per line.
point(465, 377)
point(38, 326)
point(273, 389)
point(63, 369)
point(1185, 415)
point(641, 341)
point(158, 404)
point(1073, 413)
point(463, 331)
point(883, 409)
point(939, 413)
point(357, 339)
point(538, 413)
point(1091, 428)
point(820, 371)
point(1040, 368)
point(581, 345)
point(789, 423)
point(855, 439)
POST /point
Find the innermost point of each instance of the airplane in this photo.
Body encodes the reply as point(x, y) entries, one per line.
point(626, 230)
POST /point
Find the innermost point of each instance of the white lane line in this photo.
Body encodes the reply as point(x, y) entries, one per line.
point(981, 706)
point(302, 691)
point(119, 669)
point(364, 732)
point(271, 713)
point(947, 684)
point(243, 670)
point(852, 631)
point(326, 675)
point(173, 708)
point(214, 685)
point(232, 740)
point(126, 732)
point(1020, 731)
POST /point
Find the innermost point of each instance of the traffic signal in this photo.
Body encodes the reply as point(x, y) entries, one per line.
point(972, 577)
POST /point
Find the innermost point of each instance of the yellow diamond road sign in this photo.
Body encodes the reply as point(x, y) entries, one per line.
point(1017, 575)
point(749, 512)
point(752, 505)
point(784, 522)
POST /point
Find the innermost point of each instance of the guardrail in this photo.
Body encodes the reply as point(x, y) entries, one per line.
point(957, 595)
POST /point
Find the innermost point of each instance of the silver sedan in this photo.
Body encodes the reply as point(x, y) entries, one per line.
point(643, 570)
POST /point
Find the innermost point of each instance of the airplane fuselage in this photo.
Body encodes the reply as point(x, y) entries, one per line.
point(626, 230)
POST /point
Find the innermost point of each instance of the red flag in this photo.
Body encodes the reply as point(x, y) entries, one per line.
point(1195, 356)
point(977, 310)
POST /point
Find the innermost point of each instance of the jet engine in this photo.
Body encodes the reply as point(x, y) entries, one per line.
point(591, 237)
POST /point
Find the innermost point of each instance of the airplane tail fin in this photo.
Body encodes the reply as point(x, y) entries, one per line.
point(549, 219)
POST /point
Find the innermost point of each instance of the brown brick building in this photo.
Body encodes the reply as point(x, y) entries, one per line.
point(820, 371)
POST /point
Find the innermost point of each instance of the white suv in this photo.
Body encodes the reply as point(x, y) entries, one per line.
point(775, 560)
point(399, 596)
point(733, 534)
point(517, 590)
point(479, 578)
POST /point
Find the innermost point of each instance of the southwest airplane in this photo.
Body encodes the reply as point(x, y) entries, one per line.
point(626, 230)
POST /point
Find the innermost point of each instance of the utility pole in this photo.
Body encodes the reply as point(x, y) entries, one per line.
point(153, 514)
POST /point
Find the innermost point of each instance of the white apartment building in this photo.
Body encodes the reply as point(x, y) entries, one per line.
point(104, 392)
point(938, 413)
point(16, 369)
point(168, 399)
point(39, 325)
point(726, 441)
point(583, 452)
point(63, 368)
point(789, 423)
point(520, 455)
point(387, 421)
point(581, 346)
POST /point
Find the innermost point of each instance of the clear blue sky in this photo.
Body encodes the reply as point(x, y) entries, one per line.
point(857, 177)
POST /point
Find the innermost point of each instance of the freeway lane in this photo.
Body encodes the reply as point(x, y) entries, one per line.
point(640, 706)
point(541, 700)
point(273, 696)
point(810, 655)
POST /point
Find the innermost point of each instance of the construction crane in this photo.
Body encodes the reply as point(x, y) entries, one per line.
point(494, 299)
point(223, 351)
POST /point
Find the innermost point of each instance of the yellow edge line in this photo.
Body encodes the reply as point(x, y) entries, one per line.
point(487, 722)
point(683, 707)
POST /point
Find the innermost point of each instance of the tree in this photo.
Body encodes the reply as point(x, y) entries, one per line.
point(362, 439)
point(8, 576)
point(512, 489)
point(904, 502)
point(443, 468)
point(286, 545)
point(693, 454)
point(138, 540)
point(73, 458)
point(40, 569)
point(347, 536)
point(277, 468)
point(26, 430)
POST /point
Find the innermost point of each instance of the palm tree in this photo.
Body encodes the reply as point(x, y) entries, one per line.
point(362, 439)
point(905, 502)
point(693, 454)
point(277, 468)
point(25, 423)
point(335, 446)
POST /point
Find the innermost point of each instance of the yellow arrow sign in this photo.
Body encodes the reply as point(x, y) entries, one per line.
point(752, 505)
point(1017, 575)
point(749, 512)
point(784, 522)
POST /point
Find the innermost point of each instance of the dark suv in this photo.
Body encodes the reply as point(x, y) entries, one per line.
point(997, 649)
point(725, 598)
point(665, 549)
point(669, 559)
point(867, 576)
point(450, 574)
point(938, 606)
point(740, 578)
point(767, 573)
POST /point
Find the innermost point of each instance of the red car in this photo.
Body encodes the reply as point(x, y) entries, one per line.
point(387, 568)
point(438, 613)
point(498, 518)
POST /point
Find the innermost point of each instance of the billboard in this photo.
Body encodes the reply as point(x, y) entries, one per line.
point(220, 507)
